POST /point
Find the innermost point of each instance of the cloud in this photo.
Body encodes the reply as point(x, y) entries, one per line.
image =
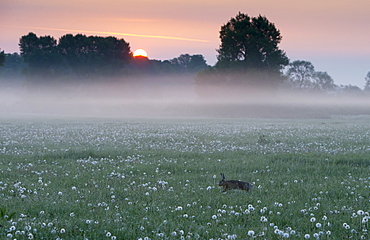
point(113, 33)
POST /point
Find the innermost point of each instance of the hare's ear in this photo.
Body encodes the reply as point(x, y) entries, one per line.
point(223, 175)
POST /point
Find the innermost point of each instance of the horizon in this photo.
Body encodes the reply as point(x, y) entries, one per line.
point(312, 30)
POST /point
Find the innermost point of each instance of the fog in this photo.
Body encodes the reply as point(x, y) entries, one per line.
point(171, 96)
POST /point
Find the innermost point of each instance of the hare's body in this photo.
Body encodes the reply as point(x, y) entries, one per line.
point(234, 184)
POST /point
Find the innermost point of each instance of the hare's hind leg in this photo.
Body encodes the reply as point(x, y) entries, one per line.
point(246, 186)
point(250, 186)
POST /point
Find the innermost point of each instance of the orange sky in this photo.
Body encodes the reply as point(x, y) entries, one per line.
point(333, 34)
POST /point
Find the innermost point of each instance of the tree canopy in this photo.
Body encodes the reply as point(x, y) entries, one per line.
point(250, 43)
point(41, 55)
point(84, 56)
point(90, 56)
point(248, 58)
point(302, 75)
point(189, 63)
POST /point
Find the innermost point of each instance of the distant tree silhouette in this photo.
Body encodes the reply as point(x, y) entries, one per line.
point(350, 91)
point(2, 58)
point(302, 75)
point(85, 57)
point(12, 68)
point(197, 63)
point(181, 62)
point(367, 82)
point(94, 56)
point(185, 64)
point(323, 81)
point(189, 63)
point(41, 55)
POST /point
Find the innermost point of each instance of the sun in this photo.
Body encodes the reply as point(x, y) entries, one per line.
point(140, 53)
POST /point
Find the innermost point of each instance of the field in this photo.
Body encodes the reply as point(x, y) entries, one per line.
point(158, 178)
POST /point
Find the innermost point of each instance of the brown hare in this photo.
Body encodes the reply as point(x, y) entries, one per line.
point(234, 184)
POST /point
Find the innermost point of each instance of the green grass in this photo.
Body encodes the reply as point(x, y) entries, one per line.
point(158, 179)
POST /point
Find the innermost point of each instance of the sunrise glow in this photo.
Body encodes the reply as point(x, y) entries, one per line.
point(140, 53)
point(168, 29)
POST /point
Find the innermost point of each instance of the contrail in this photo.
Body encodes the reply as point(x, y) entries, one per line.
point(112, 33)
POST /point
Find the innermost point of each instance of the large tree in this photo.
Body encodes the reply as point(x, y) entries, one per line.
point(248, 58)
point(251, 43)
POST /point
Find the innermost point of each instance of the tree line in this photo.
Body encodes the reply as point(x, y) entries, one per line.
point(249, 57)
point(91, 57)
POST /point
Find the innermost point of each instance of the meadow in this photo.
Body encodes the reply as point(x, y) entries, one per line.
point(158, 178)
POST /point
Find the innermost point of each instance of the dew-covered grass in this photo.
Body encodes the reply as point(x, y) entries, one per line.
point(158, 179)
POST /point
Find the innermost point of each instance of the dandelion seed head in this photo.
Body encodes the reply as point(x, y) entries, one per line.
point(360, 212)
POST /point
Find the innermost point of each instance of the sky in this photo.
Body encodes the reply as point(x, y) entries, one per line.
point(332, 34)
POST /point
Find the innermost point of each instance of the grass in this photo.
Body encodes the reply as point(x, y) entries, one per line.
point(158, 179)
